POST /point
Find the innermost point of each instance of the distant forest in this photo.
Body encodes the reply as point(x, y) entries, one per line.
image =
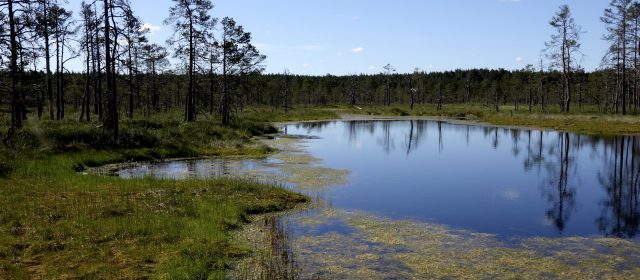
point(220, 72)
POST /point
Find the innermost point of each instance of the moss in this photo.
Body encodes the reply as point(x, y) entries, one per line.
point(57, 223)
point(414, 250)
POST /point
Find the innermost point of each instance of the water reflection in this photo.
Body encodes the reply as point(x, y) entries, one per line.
point(310, 128)
point(187, 169)
point(557, 191)
point(620, 213)
point(415, 133)
point(566, 180)
point(509, 182)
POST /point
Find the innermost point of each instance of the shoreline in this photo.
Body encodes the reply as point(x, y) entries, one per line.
point(567, 123)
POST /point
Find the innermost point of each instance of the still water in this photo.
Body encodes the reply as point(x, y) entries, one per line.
point(506, 182)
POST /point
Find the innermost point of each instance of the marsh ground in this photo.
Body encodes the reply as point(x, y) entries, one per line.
point(58, 223)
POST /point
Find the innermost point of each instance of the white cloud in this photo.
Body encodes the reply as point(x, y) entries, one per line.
point(338, 53)
point(519, 59)
point(357, 50)
point(355, 18)
point(306, 65)
point(372, 68)
point(148, 27)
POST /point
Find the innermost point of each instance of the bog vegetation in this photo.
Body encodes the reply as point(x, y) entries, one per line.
point(131, 101)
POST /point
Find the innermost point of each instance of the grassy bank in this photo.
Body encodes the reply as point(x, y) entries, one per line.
point(587, 120)
point(58, 223)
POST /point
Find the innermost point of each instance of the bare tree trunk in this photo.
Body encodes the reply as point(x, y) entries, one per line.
point(58, 73)
point(47, 59)
point(16, 102)
point(130, 78)
point(190, 108)
point(225, 90)
point(154, 88)
point(617, 92)
point(98, 108)
point(85, 98)
point(23, 94)
point(211, 84)
point(111, 122)
point(62, 81)
point(624, 63)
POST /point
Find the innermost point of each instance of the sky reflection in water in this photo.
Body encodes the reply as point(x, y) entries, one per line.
point(507, 182)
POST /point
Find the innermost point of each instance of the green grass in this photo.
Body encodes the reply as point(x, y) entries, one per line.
point(587, 120)
point(58, 223)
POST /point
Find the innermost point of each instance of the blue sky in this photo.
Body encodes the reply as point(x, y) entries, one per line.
point(361, 36)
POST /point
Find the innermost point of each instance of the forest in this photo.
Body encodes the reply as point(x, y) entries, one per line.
point(125, 75)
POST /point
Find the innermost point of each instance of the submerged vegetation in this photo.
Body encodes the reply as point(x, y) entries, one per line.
point(54, 219)
point(379, 248)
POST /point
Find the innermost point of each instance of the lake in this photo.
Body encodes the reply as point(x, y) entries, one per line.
point(502, 181)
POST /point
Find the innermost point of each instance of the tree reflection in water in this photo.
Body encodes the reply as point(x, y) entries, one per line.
point(620, 213)
point(554, 157)
point(557, 191)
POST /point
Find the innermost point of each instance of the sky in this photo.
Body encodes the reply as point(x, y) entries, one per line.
point(361, 36)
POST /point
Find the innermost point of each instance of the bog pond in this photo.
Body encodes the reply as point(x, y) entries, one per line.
point(426, 198)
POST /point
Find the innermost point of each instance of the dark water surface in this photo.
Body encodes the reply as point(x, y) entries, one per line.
point(508, 182)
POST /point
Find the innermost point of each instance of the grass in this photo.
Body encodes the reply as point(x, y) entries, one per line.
point(58, 223)
point(587, 120)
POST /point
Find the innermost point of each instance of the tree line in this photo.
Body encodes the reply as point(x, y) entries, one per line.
point(122, 69)
point(219, 70)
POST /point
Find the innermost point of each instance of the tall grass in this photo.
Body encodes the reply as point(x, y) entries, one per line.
point(58, 223)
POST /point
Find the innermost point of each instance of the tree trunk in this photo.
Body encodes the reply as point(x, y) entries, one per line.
point(130, 78)
point(47, 58)
point(58, 74)
point(86, 99)
point(624, 63)
point(16, 102)
point(190, 110)
point(62, 81)
point(111, 122)
point(225, 90)
point(98, 108)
